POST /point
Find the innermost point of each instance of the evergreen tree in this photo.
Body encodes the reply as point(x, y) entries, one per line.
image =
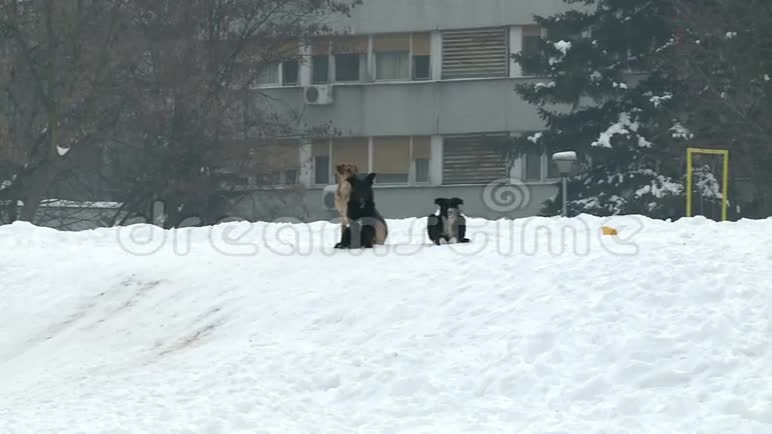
point(607, 95)
point(724, 54)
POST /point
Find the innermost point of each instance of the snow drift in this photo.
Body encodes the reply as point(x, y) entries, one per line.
point(537, 325)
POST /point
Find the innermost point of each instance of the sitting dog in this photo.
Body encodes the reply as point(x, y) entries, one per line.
point(367, 226)
point(449, 226)
point(344, 172)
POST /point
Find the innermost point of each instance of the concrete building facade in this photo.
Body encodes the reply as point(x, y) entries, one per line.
point(420, 92)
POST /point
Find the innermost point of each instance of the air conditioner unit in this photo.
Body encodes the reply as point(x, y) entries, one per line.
point(328, 197)
point(318, 94)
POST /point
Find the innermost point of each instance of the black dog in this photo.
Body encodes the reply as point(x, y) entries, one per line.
point(449, 226)
point(367, 227)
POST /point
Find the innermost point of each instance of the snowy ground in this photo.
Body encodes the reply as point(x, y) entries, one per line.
point(531, 328)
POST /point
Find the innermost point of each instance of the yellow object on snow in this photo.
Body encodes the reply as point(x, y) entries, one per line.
point(609, 231)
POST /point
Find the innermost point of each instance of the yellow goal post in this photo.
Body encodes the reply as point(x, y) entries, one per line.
point(690, 152)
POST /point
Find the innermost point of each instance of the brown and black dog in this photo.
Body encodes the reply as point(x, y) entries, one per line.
point(366, 226)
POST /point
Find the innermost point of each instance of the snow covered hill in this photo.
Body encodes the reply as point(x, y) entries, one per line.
point(536, 326)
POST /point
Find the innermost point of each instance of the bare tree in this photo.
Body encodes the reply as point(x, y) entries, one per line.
point(195, 108)
point(62, 57)
point(164, 87)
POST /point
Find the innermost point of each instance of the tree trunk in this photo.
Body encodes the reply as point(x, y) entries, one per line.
point(10, 213)
point(38, 184)
point(35, 188)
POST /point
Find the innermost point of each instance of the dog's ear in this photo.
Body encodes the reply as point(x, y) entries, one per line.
point(370, 178)
point(440, 201)
point(339, 168)
point(456, 202)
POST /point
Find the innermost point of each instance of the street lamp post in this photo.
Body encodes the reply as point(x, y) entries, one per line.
point(566, 162)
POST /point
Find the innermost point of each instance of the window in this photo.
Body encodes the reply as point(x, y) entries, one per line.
point(552, 168)
point(422, 151)
point(347, 67)
point(422, 48)
point(422, 68)
point(351, 150)
point(532, 50)
point(279, 74)
point(321, 153)
point(267, 179)
point(289, 73)
point(290, 176)
point(475, 53)
point(472, 159)
point(279, 160)
point(395, 160)
point(320, 69)
point(422, 171)
point(533, 163)
point(393, 60)
point(268, 75)
point(391, 159)
point(322, 169)
point(392, 65)
point(392, 56)
point(538, 164)
point(320, 61)
point(350, 58)
point(266, 164)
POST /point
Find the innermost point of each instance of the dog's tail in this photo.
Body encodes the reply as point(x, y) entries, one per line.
point(381, 229)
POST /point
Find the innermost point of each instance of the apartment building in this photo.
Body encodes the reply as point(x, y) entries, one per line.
point(419, 91)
